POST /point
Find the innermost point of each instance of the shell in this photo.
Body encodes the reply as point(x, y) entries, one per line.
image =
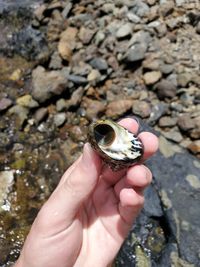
point(118, 147)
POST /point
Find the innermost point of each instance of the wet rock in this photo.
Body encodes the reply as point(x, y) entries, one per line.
point(7, 179)
point(124, 31)
point(86, 35)
point(152, 77)
point(47, 83)
point(59, 119)
point(141, 108)
point(185, 122)
point(117, 108)
point(40, 114)
point(165, 89)
point(99, 64)
point(194, 147)
point(27, 101)
point(167, 121)
point(5, 103)
point(31, 44)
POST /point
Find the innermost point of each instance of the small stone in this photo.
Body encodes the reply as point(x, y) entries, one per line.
point(61, 104)
point(99, 64)
point(133, 18)
point(165, 147)
point(5, 103)
point(93, 108)
point(195, 133)
point(152, 77)
point(180, 2)
point(66, 10)
point(40, 114)
point(94, 75)
point(185, 122)
point(21, 112)
point(124, 31)
point(157, 111)
point(59, 119)
point(56, 61)
point(141, 108)
point(165, 89)
point(16, 75)
point(167, 121)
point(77, 79)
point(194, 147)
point(6, 182)
point(76, 98)
point(136, 52)
point(117, 108)
point(27, 101)
point(173, 135)
point(64, 50)
point(184, 78)
point(86, 35)
point(47, 83)
point(193, 180)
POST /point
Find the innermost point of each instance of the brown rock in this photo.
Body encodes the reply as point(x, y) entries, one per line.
point(194, 147)
point(141, 108)
point(165, 89)
point(117, 108)
point(167, 121)
point(64, 50)
point(152, 77)
point(93, 108)
point(195, 133)
point(75, 99)
point(86, 35)
point(185, 122)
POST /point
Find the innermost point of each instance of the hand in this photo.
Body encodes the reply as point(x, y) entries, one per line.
point(90, 213)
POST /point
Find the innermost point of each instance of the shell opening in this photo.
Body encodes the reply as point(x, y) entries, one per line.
point(104, 134)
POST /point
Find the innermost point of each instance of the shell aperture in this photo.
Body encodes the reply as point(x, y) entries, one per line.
point(118, 147)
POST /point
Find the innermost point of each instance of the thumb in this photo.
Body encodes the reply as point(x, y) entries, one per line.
point(76, 186)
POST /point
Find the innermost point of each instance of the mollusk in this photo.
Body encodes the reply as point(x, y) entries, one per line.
point(118, 147)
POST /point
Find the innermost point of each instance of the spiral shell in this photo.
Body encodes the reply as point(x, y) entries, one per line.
point(118, 147)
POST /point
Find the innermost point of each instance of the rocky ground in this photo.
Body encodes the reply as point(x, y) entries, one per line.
point(66, 63)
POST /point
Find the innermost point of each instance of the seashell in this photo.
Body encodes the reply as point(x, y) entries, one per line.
point(118, 147)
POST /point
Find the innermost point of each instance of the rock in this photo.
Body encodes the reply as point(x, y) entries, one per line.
point(194, 147)
point(40, 114)
point(117, 108)
point(21, 112)
point(99, 64)
point(67, 10)
point(173, 135)
point(27, 101)
point(198, 27)
point(141, 108)
point(86, 35)
point(167, 121)
point(16, 75)
point(76, 98)
point(47, 83)
point(165, 89)
point(31, 44)
point(124, 31)
point(152, 77)
point(184, 78)
point(61, 104)
point(195, 133)
point(59, 119)
point(67, 43)
point(157, 111)
point(6, 182)
point(76, 79)
point(133, 18)
point(94, 75)
point(5, 103)
point(93, 108)
point(185, 122)
point(78, 133)
point(56, 61)
point(140, 8)
point(180, 2)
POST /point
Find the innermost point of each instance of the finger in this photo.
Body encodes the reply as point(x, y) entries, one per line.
point(64, 203)
point(111, 177)
point(150, 143)
point(131, 202)
point(138, 176)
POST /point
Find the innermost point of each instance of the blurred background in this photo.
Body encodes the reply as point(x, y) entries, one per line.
point(65, 63)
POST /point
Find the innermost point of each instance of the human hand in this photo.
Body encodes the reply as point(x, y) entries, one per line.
point(88, 216)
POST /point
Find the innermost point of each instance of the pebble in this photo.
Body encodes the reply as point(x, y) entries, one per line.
point(64, 50)
point(157, 112)
point(59, 119)
point(141, 108)
point(40, 114)
point(55, 61)
point(167, 121)
point(7, 179)
point(21, 112)
point(27, 101)
point(94, 75)
point(86, 35)
point(94, 108)
point(194, 147)
point(5, 103)
point(198, 27)
point(124, 31)
point(47, 83)
point(99, 64)
point(185, 122)
point(117, 108)
point(165, 89)
point(173, 135)
point(152, 77)
point(61, 104)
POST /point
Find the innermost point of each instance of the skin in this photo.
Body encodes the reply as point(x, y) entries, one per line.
point(88, 216)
